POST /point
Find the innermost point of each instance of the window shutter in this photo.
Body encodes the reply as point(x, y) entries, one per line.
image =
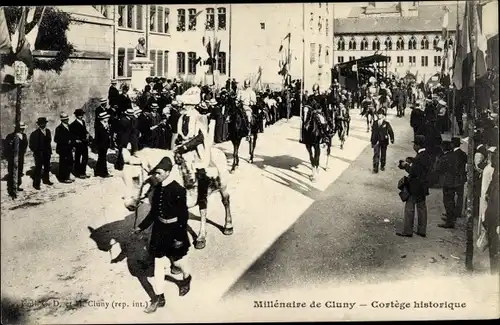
point(159, 60)
point(139, 17)
point(161, 21)
point(130, 57)
point(152, 57)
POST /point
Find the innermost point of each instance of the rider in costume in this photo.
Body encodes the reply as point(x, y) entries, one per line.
point(248, 99)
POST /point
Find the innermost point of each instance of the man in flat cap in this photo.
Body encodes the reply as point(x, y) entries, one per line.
point(381, 134)
point(102, 142)
point(169, 236)
point(40, 142)
point(9, 154)
point(82, 140)
point(418, 170)
point(65, 142)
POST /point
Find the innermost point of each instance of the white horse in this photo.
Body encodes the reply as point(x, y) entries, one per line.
point(135, 176)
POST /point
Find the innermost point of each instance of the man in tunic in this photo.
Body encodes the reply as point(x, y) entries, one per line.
point(247, 98)
point(169, 236)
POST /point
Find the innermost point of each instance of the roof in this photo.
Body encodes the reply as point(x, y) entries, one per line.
point(429, 19)
point(364, 61)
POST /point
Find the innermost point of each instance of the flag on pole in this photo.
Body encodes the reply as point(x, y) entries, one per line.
point(193, 19)
point(482, 44)
point(5, 43)
point(33, 34)
point(445, 23)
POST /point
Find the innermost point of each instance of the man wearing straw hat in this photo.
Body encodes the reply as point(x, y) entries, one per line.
point(65, 142)
point(102, 141)
point(40, 142)
point(9, 153)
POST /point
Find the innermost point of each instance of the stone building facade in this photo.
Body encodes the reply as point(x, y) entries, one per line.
point(83, 80)
point(408, 32)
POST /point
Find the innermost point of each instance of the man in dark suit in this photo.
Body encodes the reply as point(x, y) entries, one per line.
point(417, 118)
point(461, 158)
point(124, 101)
point(124, 134)
point(40, 143)
point(418, 171)
point(381, 133)
point(102, 142)
point(65, 142)
point(82, 140)
point(448, 167)
point(9, 154)
point(113, 94)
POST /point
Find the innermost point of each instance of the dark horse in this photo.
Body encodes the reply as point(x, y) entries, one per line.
point(315, 131)
point(238, 129)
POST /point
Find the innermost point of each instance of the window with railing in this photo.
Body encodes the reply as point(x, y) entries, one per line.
point(376, 44)
point(364, 44)
point(388, 44)
point(181, 20)
point(192, 62)
point(424, 43)
point(130, 16)
point(352, 43)
point(221, 63)
point(424, 61)
point(181, 63)
point(400, 44)
point(341, 44)
point(210, 23)
point(192, 18)
point(221, 18)
point(352, 58)
point(340, 59)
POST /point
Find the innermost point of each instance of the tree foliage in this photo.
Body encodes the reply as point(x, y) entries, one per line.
point(51, 36)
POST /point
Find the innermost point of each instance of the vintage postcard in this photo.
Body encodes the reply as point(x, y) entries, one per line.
point(226, 162)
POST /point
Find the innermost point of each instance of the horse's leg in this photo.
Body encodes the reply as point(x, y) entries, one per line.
point(317, 154)
point(328, 151)
point(367, 123)
point(225, 197)
point(252, 147)
point(203, 184)
point(311, 159)
point(236, 144)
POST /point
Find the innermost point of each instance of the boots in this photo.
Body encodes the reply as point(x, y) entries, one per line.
point(185, 286)
point(157, 302)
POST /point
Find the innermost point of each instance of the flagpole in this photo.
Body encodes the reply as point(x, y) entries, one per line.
point(214, 65)
point(469, 248)
point(303, 68)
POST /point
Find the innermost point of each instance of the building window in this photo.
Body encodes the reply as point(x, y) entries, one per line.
point(158, 19)
point(181, 63)
point(311, 21)
point(400, 61)
point(181, 20)
point(388, 44)
point(126, 17)
point(364, 44)
point(210, 24)
point(340, 59)
point(166, 23)
point(191, 62)
point(327, 28)
point(341, 44)
point(130, 57)
point(437, 61)
point(320, 48)
point(130, 15)
point(192, 19)
point(121, 62)
point(312, 53)
point(424, 43)
point(435, 42)
point(352, 58)
point(221, 18)
point(165, 63)
point(412, 43)
point(376, 44)
point(121, 16)
point(400, 44)
point(320, 25)
point(352, 44)
point(221, 63)
point(413, 61)
point(450, 42)
point(104, 10)
point(152, 57)
point(263, 26)
point(161, 20)
point(327, 55)
point(152, 19)
point(159, 63)
point(425, 61)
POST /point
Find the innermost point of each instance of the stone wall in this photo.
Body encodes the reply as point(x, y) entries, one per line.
point(84, 79)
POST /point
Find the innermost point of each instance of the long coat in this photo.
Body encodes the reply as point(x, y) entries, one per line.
point(64, 139)
point(41, 144)
point(418, 173)
point(102, 137)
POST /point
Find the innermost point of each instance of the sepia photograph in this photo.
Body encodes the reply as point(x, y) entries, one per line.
point(248, 162)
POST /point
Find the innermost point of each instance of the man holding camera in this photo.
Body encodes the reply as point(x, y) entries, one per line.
point(418, 169)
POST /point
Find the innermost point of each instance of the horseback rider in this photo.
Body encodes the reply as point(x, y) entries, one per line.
point(322, 102)
point(247, 98)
